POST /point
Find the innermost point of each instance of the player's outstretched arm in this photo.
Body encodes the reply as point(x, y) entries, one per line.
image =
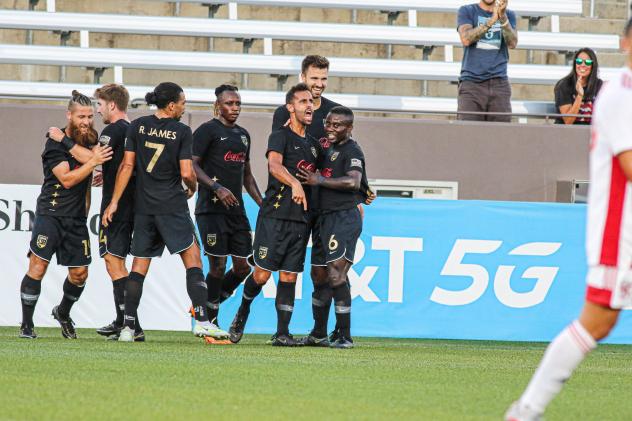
point(69, 178)
point(250, 184)
point(123, 175)
point(350, 182)
point(278, 171)
point(79, 152)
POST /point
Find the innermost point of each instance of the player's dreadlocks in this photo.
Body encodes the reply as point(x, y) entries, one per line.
point(79, 99)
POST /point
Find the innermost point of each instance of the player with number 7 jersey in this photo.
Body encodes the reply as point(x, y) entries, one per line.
point(159, 148)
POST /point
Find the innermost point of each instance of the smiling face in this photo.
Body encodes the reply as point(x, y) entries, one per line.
point(582, 68)
point(338, 128)
point(316, 80)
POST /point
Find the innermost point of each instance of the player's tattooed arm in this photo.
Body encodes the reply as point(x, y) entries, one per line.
point(187, 173)
point(227, 198)
point(349, 182)
point(80, 153)
point(250, 184)
point(123, 175)
point(509, 33)
point(278, 171)
point(69, 178)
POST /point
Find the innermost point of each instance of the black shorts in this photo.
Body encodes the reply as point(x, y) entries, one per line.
point(223, 234)
point(116, 238)
point(339, 233)
point(280, 245)
point(67, 238)
point(153, 232)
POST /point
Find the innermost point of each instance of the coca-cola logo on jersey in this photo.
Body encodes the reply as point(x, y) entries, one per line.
point(307, 166)
point(324, 142)
point(235, 156)
point(326, 172)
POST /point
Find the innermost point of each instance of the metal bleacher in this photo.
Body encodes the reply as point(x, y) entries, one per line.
point(250, 29)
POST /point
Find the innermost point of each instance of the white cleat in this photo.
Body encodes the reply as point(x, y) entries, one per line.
point(517, 412)
point(203, 329)
point(126, 335)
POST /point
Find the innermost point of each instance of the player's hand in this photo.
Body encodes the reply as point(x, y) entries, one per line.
point(502, 8)
point(307, 177)
point(298, 195)
point(108, 214)
point(227, 198)
point(56, 134)
point(100, 155)
point(370, 197)
point(579, 87)
point(189, 193)
point(97, 178)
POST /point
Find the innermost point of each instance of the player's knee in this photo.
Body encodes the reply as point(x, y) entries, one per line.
point(218, 270)
point(601, 329)
point(261, 276)
point(115, 267)
point(241, 269)
point(37, 268)
point(318, 275)
point(78, 276)
point(336, 276)
point(288, 277)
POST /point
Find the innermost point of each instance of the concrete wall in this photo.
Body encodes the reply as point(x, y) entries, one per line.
point(490, 161)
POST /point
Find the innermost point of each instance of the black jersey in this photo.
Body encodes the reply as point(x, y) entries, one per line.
point(298, 152)
point(317, 128)
point(159, 144)
point(114, 136)
point(54, 198)
point(337, 162)
point(224, 152)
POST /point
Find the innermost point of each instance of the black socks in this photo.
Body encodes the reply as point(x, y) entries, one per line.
point(198, 292)
point(284, 306)
point(321, 303)
point(133, 292)
point(118, 286)
point(72, 293)
point(342, 301)
point(212, 304)
point(251, 290)
point(29, 294)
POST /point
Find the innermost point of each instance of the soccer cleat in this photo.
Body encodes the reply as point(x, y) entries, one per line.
point(109, 330)
point(311, 340)
point(236, 330)
point(27, 332)
point(334, 335)
point(139, 336)
point(67, 325)
point(285, 340)
point(126, 335)
point(204, 330)
point(517, 412)
point(342, 343)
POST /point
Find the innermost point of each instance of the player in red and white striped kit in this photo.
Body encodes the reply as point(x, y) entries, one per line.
point(608, 245)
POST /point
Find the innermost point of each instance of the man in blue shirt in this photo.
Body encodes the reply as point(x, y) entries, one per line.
point(487, 31)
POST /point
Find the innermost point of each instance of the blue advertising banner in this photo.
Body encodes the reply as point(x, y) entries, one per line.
point(455, 270)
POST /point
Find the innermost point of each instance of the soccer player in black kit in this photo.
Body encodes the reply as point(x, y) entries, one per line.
point(282, 230)
point(221, 158)
point(159, 147)
point(61, 216)
point(341, 175)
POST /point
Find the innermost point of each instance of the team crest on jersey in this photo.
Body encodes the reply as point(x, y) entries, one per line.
point(314, 152)
point(244, 140)
point(263, 252)
point(334, 156)
point(104, 140)
point(211, 239)
point(42, 240)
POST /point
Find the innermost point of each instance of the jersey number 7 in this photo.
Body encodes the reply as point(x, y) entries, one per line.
point(159, 148)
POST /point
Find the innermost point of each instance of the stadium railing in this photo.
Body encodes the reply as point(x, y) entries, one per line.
point(119, 59)
point(531, 8)
point(248, 29)
point(269, 99)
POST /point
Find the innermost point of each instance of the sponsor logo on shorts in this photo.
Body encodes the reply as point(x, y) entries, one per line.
point(334, 156)
point(355, 162)
point(211, 239)
point(263, 252)
point(244, 140)
point(104, 140)
point(314, 152)
point(42, 240)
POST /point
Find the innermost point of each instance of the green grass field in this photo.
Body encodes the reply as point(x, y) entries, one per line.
point(176, 376)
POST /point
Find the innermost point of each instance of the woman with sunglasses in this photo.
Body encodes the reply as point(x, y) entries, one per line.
point(575, 93)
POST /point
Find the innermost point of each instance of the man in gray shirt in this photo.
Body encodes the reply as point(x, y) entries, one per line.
point(487, 31)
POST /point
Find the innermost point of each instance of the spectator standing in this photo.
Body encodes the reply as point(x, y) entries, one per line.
point(487, 30)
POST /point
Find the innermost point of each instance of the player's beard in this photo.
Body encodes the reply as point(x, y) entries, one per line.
point(84, 139)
